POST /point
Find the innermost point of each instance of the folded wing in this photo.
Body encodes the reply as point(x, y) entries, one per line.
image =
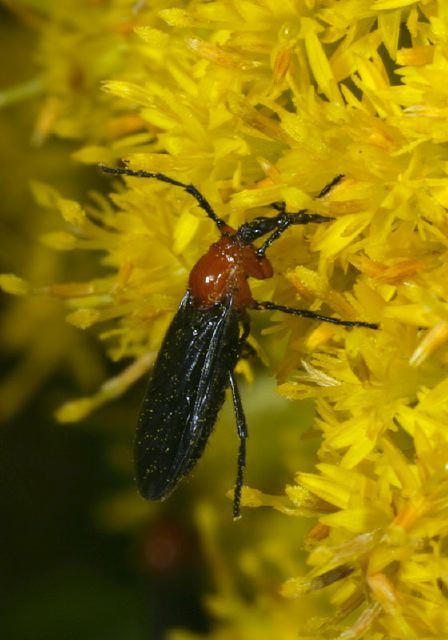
point(184, 394)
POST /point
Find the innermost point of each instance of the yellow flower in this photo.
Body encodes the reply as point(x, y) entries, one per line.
point(260, 102)
point(80, 44)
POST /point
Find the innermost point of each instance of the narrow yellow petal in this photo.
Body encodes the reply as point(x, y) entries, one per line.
point(14, 285)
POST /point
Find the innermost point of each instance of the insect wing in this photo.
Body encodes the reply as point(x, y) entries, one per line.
point(184, 395)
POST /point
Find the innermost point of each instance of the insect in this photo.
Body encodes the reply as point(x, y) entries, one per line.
point(206, 338)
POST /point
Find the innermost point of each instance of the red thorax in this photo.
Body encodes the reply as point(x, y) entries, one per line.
point(224, 270)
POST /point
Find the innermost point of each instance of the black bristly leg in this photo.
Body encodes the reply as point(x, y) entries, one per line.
point(328, 187)
point(285, 219)
point(245, 349)
point(241, 427)
point(189, 188)
point(305, 313)
point(281, 207)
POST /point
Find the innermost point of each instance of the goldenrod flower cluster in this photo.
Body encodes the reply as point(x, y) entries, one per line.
point(261, 101)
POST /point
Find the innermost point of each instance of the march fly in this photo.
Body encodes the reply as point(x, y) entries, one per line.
point(206, 338)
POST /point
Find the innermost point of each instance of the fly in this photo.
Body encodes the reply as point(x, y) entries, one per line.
point(207, 336)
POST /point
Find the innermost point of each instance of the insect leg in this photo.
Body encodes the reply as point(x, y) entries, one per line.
point(189, 188)
point(280, 206)
point(246, 330)
point(328, 187)
point(245, 349)
point(305, 313)
point(285, 219)
point(241, 426)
